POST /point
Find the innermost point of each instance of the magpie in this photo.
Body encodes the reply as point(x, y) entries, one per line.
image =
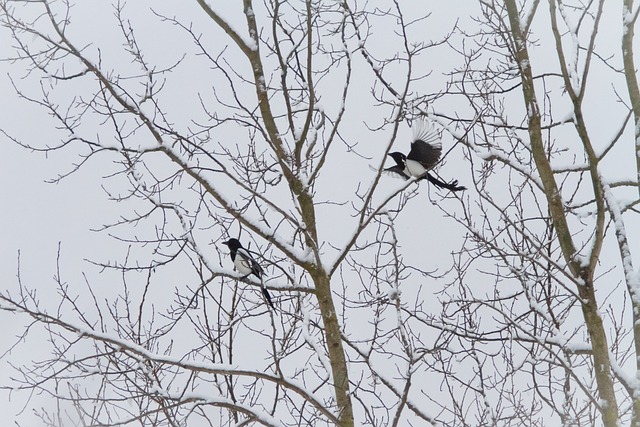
point(246, 265)
point(425, 152)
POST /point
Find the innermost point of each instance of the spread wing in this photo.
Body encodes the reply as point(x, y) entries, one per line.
point(396, 171)
point(426, 147)
point(399, 170)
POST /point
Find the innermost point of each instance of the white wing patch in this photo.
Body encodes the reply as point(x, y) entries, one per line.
point(245, 264)
point(424, 130)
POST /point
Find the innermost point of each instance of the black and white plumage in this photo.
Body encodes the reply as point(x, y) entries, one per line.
point(425, 153)
point(246, 265)
point(426, 148)
point(399, 168)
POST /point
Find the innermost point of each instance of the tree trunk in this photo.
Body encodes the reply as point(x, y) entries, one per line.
point(586, 291)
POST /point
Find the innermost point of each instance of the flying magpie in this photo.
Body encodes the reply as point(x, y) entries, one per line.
point(426, 150)
point(246, 265)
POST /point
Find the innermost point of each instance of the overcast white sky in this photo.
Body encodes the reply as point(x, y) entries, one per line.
point(37, 218)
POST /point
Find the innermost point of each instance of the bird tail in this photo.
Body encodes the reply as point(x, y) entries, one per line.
point(266, 294)
point(424, 130)
point(451, 186)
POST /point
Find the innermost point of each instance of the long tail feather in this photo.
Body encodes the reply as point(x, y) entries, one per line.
point(451, 186)
point(267, 296)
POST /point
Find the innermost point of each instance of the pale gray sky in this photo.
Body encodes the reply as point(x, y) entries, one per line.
point(38, 218)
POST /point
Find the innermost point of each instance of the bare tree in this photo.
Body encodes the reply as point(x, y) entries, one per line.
point(567, 318)
point(254, 129)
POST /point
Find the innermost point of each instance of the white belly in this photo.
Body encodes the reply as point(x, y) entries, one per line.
point(414, 168)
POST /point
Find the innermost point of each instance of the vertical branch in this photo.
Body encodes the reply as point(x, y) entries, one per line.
point(304, 200)
point(303, 197)
point(629, 18)
point(576, 91)
point(554, 198)
point(632, 280)
point(310, 84)
point(593, 320)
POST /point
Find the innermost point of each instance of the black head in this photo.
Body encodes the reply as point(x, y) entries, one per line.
point(233, 244)
point(399, 158)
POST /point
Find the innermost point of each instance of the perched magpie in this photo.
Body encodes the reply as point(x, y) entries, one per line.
point(426, 150)
point(246, 265)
